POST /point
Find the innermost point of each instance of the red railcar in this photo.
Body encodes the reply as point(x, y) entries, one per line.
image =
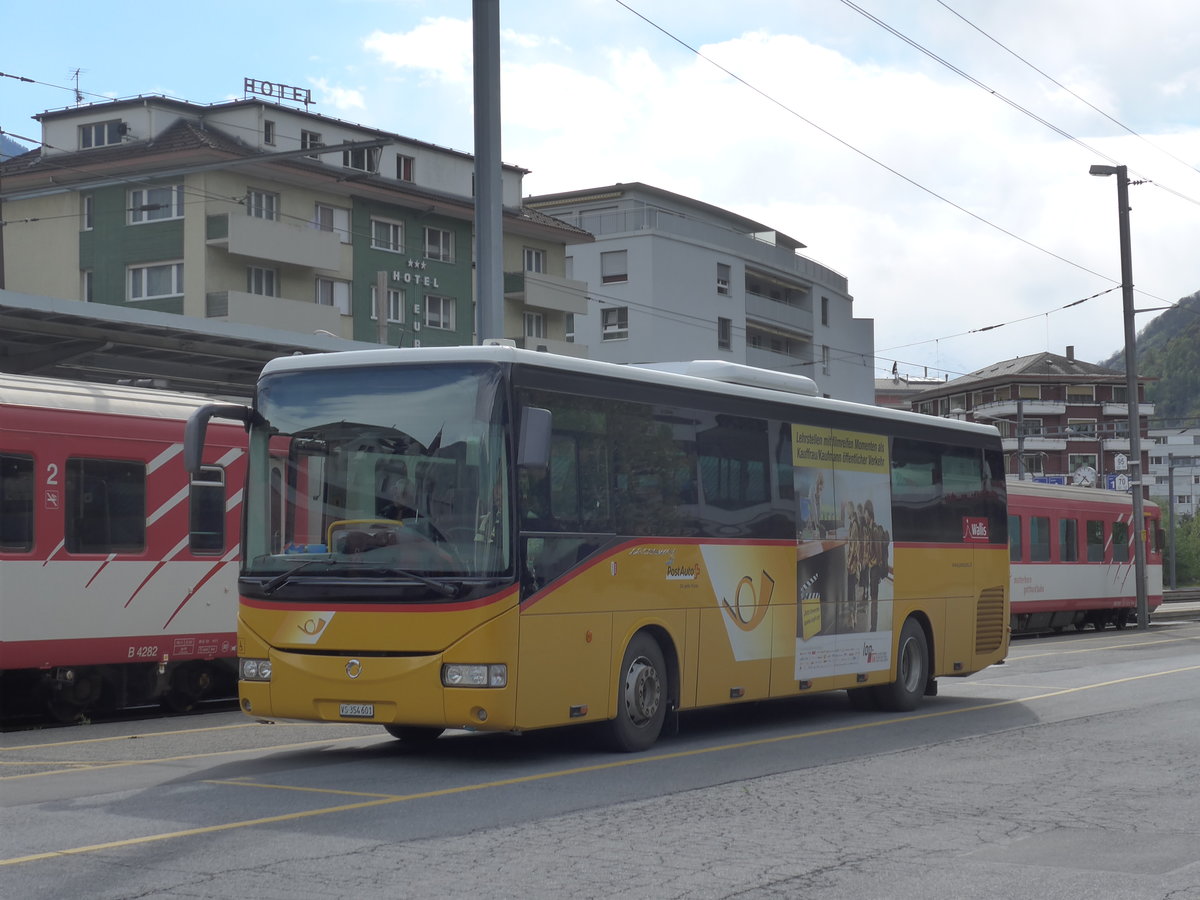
point(1072, 556)
point(117, 569)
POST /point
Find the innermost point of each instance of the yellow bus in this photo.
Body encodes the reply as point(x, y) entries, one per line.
point(495, 539)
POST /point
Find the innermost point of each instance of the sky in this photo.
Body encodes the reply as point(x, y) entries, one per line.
point(935, 152)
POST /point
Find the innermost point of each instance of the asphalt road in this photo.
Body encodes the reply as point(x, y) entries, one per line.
point(1071, 771)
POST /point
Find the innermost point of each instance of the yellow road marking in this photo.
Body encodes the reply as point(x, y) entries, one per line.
point(562, 773)
point(133, 737)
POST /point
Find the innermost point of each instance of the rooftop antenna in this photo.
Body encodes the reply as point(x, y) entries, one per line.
point(78, 93)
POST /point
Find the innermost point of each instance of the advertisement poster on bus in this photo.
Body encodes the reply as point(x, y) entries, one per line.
point(844, 556)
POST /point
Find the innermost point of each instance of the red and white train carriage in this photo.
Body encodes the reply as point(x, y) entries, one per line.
point(117, 570)
point(1072, 556)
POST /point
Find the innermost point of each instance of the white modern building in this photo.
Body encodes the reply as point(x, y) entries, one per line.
point(1173, 472)
point(672, 278)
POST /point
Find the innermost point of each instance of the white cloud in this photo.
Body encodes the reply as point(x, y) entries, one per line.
point(338, 97)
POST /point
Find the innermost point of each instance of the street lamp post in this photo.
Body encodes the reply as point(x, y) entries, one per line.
point(1131, 390)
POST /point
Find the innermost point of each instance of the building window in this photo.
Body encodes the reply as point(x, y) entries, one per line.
point(569, 267)
point(825, 358)
point(88, 286)
point(614, 323)
point(153, 281)
point(87, 212)
point(404, 167)
point(824, 310)
point(439, 244)
point(569, 326)
point(535, 260)
point(268, 132)
point(723, 278)
point(387, 235)
point(105, 506)
point(1029, 391)
point(156, 204)
point(724, 333)
point(395, 304)
point(100, 134)
point(1081, 428)
point(365, 159)
point(440, 312)
point(331, 292)
point(262, 281)
point(614, 266)
point(1120, 393)
point(262, 205)
point(310, 139)
point(1081, 393)
point(535, 325)
point(334, 218)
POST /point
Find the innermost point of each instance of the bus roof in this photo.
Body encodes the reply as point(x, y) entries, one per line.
point(83, 396)
point(656, 375)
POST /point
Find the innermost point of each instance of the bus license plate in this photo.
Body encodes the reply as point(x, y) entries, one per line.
point(358, 710)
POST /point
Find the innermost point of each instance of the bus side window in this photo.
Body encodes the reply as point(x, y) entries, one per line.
point(1015, 551)
point(16, 503)
point(1095, 540)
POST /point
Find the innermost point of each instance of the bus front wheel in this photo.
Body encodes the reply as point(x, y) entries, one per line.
point(641, 696)
point(912, 671)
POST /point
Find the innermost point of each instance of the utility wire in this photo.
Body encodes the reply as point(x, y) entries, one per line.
point(1081, 99)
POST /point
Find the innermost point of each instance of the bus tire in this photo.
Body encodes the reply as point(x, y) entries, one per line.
point(414, 734)
point(641, 696)
point(912, 671)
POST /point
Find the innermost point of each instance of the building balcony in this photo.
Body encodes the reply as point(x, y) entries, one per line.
point(1122, 409)
point(1003, 409)
point(1033, 442)
point(280, 242)
point(303, 316)
point(546, 292)
point(780, 315)
point(781, 362)
point(1120, 444)
point(547, 345)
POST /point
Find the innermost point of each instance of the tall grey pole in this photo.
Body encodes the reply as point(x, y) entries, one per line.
point(1171, 514)
point(489, 235)
point(1021, 439)
point(1131, 390)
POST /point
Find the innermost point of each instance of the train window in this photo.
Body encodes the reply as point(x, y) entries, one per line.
point(16, 502)
point(1095, 540)
point(1039, 539)
point(1015, 553)
point(105, 506)
point(1120, 542)
point(206, 511)
point(1068, 540)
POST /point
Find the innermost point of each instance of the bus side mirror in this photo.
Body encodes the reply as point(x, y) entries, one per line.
point(533, 450)
point(197, 426)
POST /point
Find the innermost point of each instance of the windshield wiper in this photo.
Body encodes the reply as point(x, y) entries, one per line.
point(444, 588)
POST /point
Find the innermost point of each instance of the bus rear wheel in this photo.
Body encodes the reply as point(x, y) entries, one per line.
point(641, 696)
point(912, 671)
point(414, 734)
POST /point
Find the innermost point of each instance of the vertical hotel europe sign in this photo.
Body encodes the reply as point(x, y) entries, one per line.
point(277, 91)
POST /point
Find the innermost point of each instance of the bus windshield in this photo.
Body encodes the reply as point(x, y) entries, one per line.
point(378, 473)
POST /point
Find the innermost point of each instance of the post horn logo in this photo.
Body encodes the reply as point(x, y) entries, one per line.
point(748, 612)
point(353, 668)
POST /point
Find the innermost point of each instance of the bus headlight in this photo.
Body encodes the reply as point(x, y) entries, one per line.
point(254, 669)
point(475, 675)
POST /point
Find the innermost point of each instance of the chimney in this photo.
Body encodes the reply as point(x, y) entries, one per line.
point(1071, 352)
